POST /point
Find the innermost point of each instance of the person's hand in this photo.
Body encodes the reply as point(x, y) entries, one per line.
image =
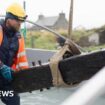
point(6, 72)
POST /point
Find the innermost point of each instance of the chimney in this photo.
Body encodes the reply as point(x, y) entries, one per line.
point(62, 15)
point(41, 17)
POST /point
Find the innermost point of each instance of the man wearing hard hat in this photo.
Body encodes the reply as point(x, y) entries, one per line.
point(12, 52)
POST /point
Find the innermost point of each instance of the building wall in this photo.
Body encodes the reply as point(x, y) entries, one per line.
point(94, 39)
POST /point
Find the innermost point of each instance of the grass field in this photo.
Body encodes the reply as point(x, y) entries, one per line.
point(46, 40)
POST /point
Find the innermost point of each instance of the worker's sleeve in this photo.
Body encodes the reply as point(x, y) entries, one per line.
point(22, 62)
point(1, 38)
point(1, 34)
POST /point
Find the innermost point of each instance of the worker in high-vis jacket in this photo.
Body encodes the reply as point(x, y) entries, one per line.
point(12, 52)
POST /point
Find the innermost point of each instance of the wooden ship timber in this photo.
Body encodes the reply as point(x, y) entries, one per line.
point(73, 69)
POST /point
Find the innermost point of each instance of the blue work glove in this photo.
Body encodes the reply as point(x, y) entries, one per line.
point(6, 72)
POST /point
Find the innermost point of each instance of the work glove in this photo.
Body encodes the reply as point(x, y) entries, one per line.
point(6, 72)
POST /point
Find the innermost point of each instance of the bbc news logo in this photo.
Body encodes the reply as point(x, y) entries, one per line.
point(6, 93)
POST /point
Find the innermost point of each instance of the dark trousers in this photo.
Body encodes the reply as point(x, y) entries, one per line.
point(8, 100)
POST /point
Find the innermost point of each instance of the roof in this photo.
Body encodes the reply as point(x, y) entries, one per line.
point(47, 21)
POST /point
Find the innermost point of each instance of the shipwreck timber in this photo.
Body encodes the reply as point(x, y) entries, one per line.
point(73, 70)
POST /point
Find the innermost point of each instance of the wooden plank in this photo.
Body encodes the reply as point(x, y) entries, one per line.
point(81, 67)
point(32, 79)
point(74, 70)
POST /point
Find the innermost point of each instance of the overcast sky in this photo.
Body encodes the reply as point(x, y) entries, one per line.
point(88, 13)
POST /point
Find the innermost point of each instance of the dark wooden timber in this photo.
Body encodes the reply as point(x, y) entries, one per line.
point(33, 79)
point(73, 69)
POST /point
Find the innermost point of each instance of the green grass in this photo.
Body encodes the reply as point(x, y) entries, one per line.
point(43, 40)
point(92, 48)
point(46, 40)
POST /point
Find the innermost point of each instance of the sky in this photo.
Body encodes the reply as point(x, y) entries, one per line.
point(87, 13)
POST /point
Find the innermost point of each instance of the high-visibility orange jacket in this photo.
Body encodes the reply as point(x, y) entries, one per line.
point(20, 60)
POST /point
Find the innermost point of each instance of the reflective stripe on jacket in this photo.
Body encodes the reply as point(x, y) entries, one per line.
point(20, 61)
